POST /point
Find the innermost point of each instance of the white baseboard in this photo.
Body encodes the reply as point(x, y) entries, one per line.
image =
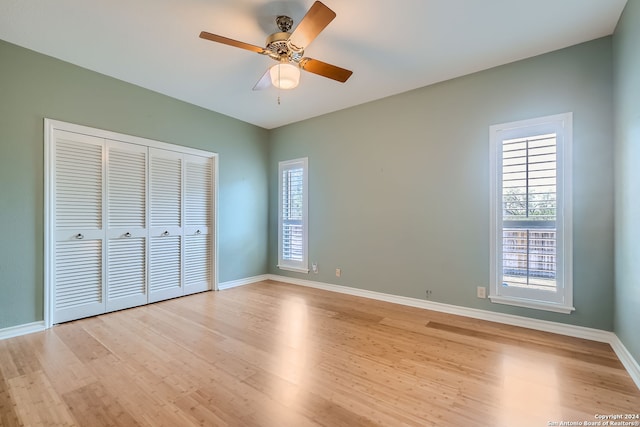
point(241, 282)
point(28, 328)
point(598, 335)
point(630, 364)
point(508, 319)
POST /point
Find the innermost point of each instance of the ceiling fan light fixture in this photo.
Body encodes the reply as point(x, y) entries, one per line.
point(285, 75)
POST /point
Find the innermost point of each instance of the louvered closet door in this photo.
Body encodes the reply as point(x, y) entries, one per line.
point(78, 177)
point(166, 220)
point(198, 254)
point(126, 225)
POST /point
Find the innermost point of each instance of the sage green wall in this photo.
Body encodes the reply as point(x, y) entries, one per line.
point(399, 188)
point(34, 86)
point(627, 104)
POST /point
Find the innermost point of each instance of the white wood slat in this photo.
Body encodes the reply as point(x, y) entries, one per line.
point(126, 188)
point(198, 262)
point(78, 189)
point(165, 263)
point(126, 268)
point(78, 273)
point(198, 191)
point(166, 192)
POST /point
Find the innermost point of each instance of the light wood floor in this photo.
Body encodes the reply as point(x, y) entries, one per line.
point(272, 354)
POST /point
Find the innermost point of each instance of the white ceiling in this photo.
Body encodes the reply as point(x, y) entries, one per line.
point(391, 46)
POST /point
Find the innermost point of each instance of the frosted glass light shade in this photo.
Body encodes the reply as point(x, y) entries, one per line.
point(285, 76)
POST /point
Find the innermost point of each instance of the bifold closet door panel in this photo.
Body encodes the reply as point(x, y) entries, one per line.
point(199, 230)
point(78, 211)
point(128, 221)
point(166, 225)
point(126, 225)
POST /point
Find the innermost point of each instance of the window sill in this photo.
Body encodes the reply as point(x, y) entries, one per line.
point(537, 305)
point(294, 269)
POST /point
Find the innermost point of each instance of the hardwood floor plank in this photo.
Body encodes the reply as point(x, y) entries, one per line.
point(202, 342)
point(147, 398)
point(61, 366)
point(37, 402)
point(83, 345)
point(306, 400)
point(93, 406)
point(494, 338)
point(18, 358)
point(273, 354)
point(201, 410)
point(8, 415)
point(144, 360)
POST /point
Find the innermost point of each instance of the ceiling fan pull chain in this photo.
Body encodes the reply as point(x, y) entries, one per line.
point(279, 84)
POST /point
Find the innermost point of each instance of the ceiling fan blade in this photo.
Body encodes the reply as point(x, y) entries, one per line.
point(231, 42)
point(264, 82)
point(325, 70)
point(316, 19)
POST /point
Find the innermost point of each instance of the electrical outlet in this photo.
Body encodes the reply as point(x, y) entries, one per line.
point(338, 272)
point(314, 267)
point(428, 294)
point(481, 292)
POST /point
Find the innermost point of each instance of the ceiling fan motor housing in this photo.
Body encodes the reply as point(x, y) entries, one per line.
point(280, 48)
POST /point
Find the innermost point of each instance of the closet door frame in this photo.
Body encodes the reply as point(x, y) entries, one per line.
point(50, 126)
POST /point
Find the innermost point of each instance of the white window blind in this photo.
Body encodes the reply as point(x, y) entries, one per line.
point(292, 215)
point(531, 213)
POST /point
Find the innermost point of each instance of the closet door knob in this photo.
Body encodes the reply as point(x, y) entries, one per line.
point(79, 236)
point(166, 233)
point(127, 234)
point(198, 232)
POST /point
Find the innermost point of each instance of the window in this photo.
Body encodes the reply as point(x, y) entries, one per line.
point(531, 261)
point(292, 215)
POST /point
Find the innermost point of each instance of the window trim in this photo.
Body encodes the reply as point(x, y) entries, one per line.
point(289, 265)
point(562, 126)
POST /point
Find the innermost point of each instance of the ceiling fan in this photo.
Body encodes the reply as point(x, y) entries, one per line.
point(288, 49)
